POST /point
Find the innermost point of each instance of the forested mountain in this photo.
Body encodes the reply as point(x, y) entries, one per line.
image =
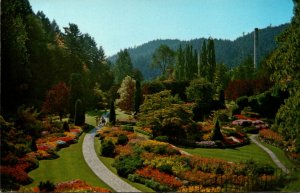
point(228, 52)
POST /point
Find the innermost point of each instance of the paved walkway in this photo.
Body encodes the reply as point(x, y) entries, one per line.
point(271, 154)
point(99, 168)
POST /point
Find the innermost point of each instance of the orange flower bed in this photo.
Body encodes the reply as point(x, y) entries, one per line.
point(160, 177)
point(77, 185)
point(270, 135)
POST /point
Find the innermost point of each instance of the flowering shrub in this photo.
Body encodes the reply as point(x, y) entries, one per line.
point(199, 188)
point(160, 177)
point(77, 186)
point(271, 137)
point(177, 163)
point(124, 150)
point(206, 144)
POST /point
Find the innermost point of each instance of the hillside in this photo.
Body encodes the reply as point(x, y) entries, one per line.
point(229, 52)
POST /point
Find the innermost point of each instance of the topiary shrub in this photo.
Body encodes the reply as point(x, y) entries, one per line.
point(66, 126)
point(46, 186)
point(217, 135)
point(122, 139)
point(79, 113)
point(107, 148)
point(126, 165)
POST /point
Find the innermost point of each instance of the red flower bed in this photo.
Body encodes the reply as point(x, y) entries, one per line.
point(66, 139)
point(43, 147)
point(17, 173)
point(77, 185)
point(160, 177)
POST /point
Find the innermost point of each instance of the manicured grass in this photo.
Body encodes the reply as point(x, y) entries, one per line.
point(108, 163)
point(280, 155)
point(70, 166)
point(247, 152)
point(294, 185)
point(122, 115)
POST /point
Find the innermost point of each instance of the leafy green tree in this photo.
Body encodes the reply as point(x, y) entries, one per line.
point(285, 60)
point(285, 64)
point(287, 120)
point(200, 90)
point(163, 58)
point(126, 92)
point(138, 97)
point(123, 66)
point(165, 116)
point(112, 113)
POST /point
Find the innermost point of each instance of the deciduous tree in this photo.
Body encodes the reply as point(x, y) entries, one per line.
point(57, 100)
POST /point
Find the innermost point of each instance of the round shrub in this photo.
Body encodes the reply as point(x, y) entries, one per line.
point(242, 102)
point(107, 149)
point(122, 139)
point(166, 168)
point(162, 138)
point(126, 165)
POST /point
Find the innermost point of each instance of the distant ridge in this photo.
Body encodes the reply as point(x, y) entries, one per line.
point(229, 52)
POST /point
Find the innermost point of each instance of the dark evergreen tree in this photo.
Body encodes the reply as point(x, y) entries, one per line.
point(179, 65)
point(211, 59)
point(123, 66)
point(79, 113)
point(112, 113)
point(217, 135)
point(203, 61)
point(76, 92)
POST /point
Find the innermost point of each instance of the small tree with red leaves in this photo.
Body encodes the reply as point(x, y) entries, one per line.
point(57, 99)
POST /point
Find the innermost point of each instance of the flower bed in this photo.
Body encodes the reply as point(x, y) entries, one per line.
point(161, 167)
point(271, 137)
point(156, 175)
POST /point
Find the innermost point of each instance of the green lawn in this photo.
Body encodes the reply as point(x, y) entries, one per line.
point(294, 185)
point(122, 115)
point(247, 152)
point(108, 163)
point(71, 165)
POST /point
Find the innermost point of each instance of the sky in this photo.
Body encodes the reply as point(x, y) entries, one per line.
point(120, 24)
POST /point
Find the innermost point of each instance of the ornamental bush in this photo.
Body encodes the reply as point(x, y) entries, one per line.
point(122, 139)
point(126, 165)
point(107, 148)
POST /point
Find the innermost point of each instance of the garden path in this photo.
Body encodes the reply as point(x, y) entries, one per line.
point(270, 153)
point(99, 168)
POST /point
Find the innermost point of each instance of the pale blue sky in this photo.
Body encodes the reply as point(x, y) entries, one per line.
point(119, 24)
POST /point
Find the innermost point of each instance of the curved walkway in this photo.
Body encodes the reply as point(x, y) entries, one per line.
point(270, 153)
point(99, 168)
